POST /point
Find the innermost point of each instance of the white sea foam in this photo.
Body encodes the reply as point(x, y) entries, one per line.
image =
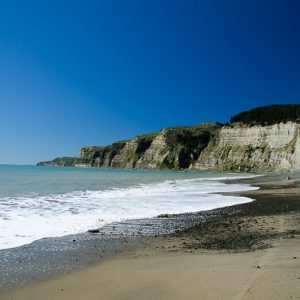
point(31, 217)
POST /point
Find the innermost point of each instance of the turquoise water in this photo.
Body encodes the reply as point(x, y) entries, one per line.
point(21, 180)
point(38, 202)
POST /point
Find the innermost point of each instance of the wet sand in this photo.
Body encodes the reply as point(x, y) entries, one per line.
point(249, 251)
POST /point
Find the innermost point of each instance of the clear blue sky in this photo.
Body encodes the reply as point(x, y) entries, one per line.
point(75, 73)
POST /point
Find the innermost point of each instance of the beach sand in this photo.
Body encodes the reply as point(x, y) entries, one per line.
point(251, 251)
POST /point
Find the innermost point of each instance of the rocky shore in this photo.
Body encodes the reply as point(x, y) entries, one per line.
point(274, 214)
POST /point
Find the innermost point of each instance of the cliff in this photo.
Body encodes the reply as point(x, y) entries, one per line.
point(253, 148)
point(171, 148)
point(236, 147)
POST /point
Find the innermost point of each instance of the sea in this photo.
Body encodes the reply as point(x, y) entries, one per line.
point(40, 202)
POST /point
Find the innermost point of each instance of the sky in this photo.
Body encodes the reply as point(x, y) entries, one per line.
point(77, 73)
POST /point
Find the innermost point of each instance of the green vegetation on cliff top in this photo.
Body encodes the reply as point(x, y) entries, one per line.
point(269, 115)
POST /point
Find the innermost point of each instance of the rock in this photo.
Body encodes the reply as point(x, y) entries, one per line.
point(93, 230)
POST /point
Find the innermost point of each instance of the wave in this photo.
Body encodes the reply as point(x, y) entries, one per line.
point(31, 217)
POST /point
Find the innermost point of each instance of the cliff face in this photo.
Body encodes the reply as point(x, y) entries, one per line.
point(132, 152)
point(249, 148)
point(236, 147)
point(172, 148)
point(177, 148)
point(98, 156)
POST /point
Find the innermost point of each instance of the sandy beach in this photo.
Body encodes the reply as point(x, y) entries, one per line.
point(250, 251)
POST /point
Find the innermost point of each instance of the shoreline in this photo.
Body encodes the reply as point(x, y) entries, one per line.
point(18, 233)
point(55, 256)
point(219, 232)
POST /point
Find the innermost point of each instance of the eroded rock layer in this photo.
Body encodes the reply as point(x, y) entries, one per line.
point(210, 146)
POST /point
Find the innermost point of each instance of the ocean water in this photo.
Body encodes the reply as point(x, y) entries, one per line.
point(39, 202)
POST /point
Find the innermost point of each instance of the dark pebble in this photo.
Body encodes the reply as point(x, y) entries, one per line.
point(93, 230)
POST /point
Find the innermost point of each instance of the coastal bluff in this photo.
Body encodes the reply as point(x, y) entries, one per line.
point(171, 148)
point(234, 147)
point(263, 139)
point(248, 148)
